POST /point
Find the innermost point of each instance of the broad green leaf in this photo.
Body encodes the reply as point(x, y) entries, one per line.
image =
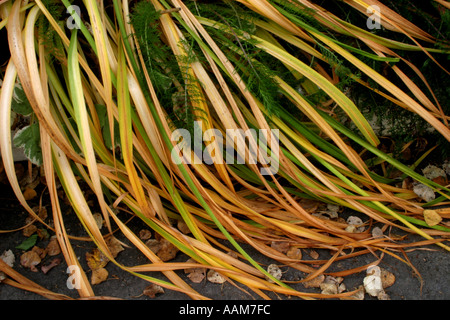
point(28, 243)
point(29, 138)
point(20, 103)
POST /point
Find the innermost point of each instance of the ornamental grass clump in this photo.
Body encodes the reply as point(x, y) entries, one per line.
point(136, 100)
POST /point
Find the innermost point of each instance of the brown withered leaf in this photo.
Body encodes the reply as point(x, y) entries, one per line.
point(315, 282)
point(53, 247)
point(41, 252)
point(196, 275)
point(294, 253)
point(328, 288)
point(387, 278)
point(30, 259)
point(407, 183)
point(114, 245)
point(29, 230)
point(309, 205)
point(182, 226)
point(98, 219)
point(153, 245)
point(332, 285)
point(29, 194)
point(152, 290)
point(313, 254)
point(167, 251)
point(41, 212)
point(96, 259)
point(281, 246)
point(145, 234)
point(99, 275)
point(43, 233)
point(358, 295)
point(441, 180)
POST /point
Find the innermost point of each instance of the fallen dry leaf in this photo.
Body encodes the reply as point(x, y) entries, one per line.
point(167, 251)
point(313, 254)
point(41, 252)
point(98, 219)
point(446, 167)
point(315, 282)
point(281, 246)
point(332, 210)
point(145, 234)
point(372, 282)
point(355, 224)
point(152, 290)
point(29, 230)
point(407, 183)
point(383, 296)
point(424, 192)
point(182, 226)
point(9, 258)
point(328, 288)
point(309, 205)
point(29, 194)
point(99, 275)
point(114, 245)
point(332, 285)
point(153, 245)
point(377, 232)
point(441, 180)
point(30, 259)
point(274, 271)
point(294, 253)
point(387, 278)
point(41, 212)
point(358, 295)
point(432, 218)
point(432, 172)
point(215, 277)
point(196, 275)
point(43, 233)
point(53, 247)
point(96, 259)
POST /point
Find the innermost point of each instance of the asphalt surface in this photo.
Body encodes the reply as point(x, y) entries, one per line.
point(433, 264)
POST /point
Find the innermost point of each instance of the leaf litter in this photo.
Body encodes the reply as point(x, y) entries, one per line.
point(9, 258)
point(196, 275)
point(332, 285)
point(97, 260)
point(376, 280)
